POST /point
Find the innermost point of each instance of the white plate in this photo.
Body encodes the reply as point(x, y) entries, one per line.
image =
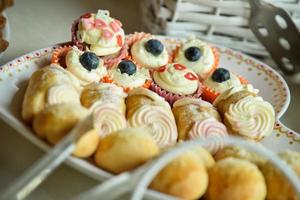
point(6, 32)
point(15, 74)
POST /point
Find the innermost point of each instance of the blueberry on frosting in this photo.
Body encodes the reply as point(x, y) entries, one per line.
point(127, 67)
point(220, 75)
point(155, 47)
point(192, 54)
point(89, 60)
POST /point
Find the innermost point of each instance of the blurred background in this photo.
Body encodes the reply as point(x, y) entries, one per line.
point(35, 24)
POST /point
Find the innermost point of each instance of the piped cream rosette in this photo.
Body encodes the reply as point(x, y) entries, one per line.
point(107, 118)
point(196, 118)
point(245, 113)
point(148, 110)
point(62, 93)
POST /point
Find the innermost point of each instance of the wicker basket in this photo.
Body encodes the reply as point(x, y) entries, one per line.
point(223, 22)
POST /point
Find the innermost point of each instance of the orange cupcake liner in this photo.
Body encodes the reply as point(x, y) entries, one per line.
point(59, 55)
point(210, 95)
point(213, 67)
point(108, 79)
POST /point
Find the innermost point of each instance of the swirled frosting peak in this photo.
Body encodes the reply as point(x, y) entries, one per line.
point(157, 119)
point(177, 79)
point(251, 117)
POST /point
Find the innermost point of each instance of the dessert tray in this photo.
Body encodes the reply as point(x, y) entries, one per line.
point(14, 77)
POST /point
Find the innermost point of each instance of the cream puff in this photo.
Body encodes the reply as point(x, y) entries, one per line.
point(125, 150)
point(235, 179)
point(146, 109)
point(185, 177)
point(86, 66)
point(197, 56)
point(55, 121)
point(149, 53)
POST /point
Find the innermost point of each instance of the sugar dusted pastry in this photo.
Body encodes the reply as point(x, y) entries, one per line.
point(241, 153)
point(55, 121)
point(49, 85)
point(185, 177)
point(125, 150)
point(107, 102)
point(278, 186)
point(245, 113)
point(86, 66)
point(235, 179)
point(100, 33)
point(196, 118)
point(150, 53)
point(198, 56)
point(148, 110)
point(128, 75)
point(174, 80)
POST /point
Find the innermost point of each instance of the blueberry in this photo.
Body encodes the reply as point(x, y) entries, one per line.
point(192, 54)
point(220, 75)
point(89, 60)
point(127, 67)
point(155, 47)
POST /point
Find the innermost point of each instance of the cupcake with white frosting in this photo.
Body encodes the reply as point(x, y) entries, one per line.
point(86, 66)
point(100, 34)
point(149, 52)
point(197, 56)
point(128, 75)
point(174, 81)
point(220, 81)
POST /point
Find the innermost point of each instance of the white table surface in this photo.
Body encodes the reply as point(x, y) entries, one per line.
point(38, 23)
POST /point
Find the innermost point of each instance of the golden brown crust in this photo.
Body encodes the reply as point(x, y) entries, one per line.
point(5, 4)
point(184, 177)
point(35, 96)
point(134, 102)
point(275, 181)
point(235, 179)
point(186, 115)
point(125, 150)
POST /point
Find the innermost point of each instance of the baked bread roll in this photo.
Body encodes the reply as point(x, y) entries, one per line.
point(148, 110)
point(107, 102)
point(49, 85)
point(198, 119)
point(55, 121)
point(184, 177)
point(125, 150)
point(235, 179)
point(246, 114)
point(278, 186)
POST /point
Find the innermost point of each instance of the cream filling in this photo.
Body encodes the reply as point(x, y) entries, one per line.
point(251, 117)
point(145, 58)
point(62, 93)
point(204, 65)
point(75, 67)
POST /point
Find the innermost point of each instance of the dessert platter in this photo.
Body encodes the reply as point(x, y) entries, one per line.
point(148, 93)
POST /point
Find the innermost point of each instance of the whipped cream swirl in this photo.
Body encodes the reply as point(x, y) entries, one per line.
point(107, 118)
point(251, 117)
point(159, 120)
point(62, 93)
point(207, 128)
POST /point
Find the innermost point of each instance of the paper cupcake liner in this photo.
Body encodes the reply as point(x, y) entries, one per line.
point(210, 95)
point(213, 67)
point(58, 56)
point(171, 97)
point(108, 79)
point(109, 60)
